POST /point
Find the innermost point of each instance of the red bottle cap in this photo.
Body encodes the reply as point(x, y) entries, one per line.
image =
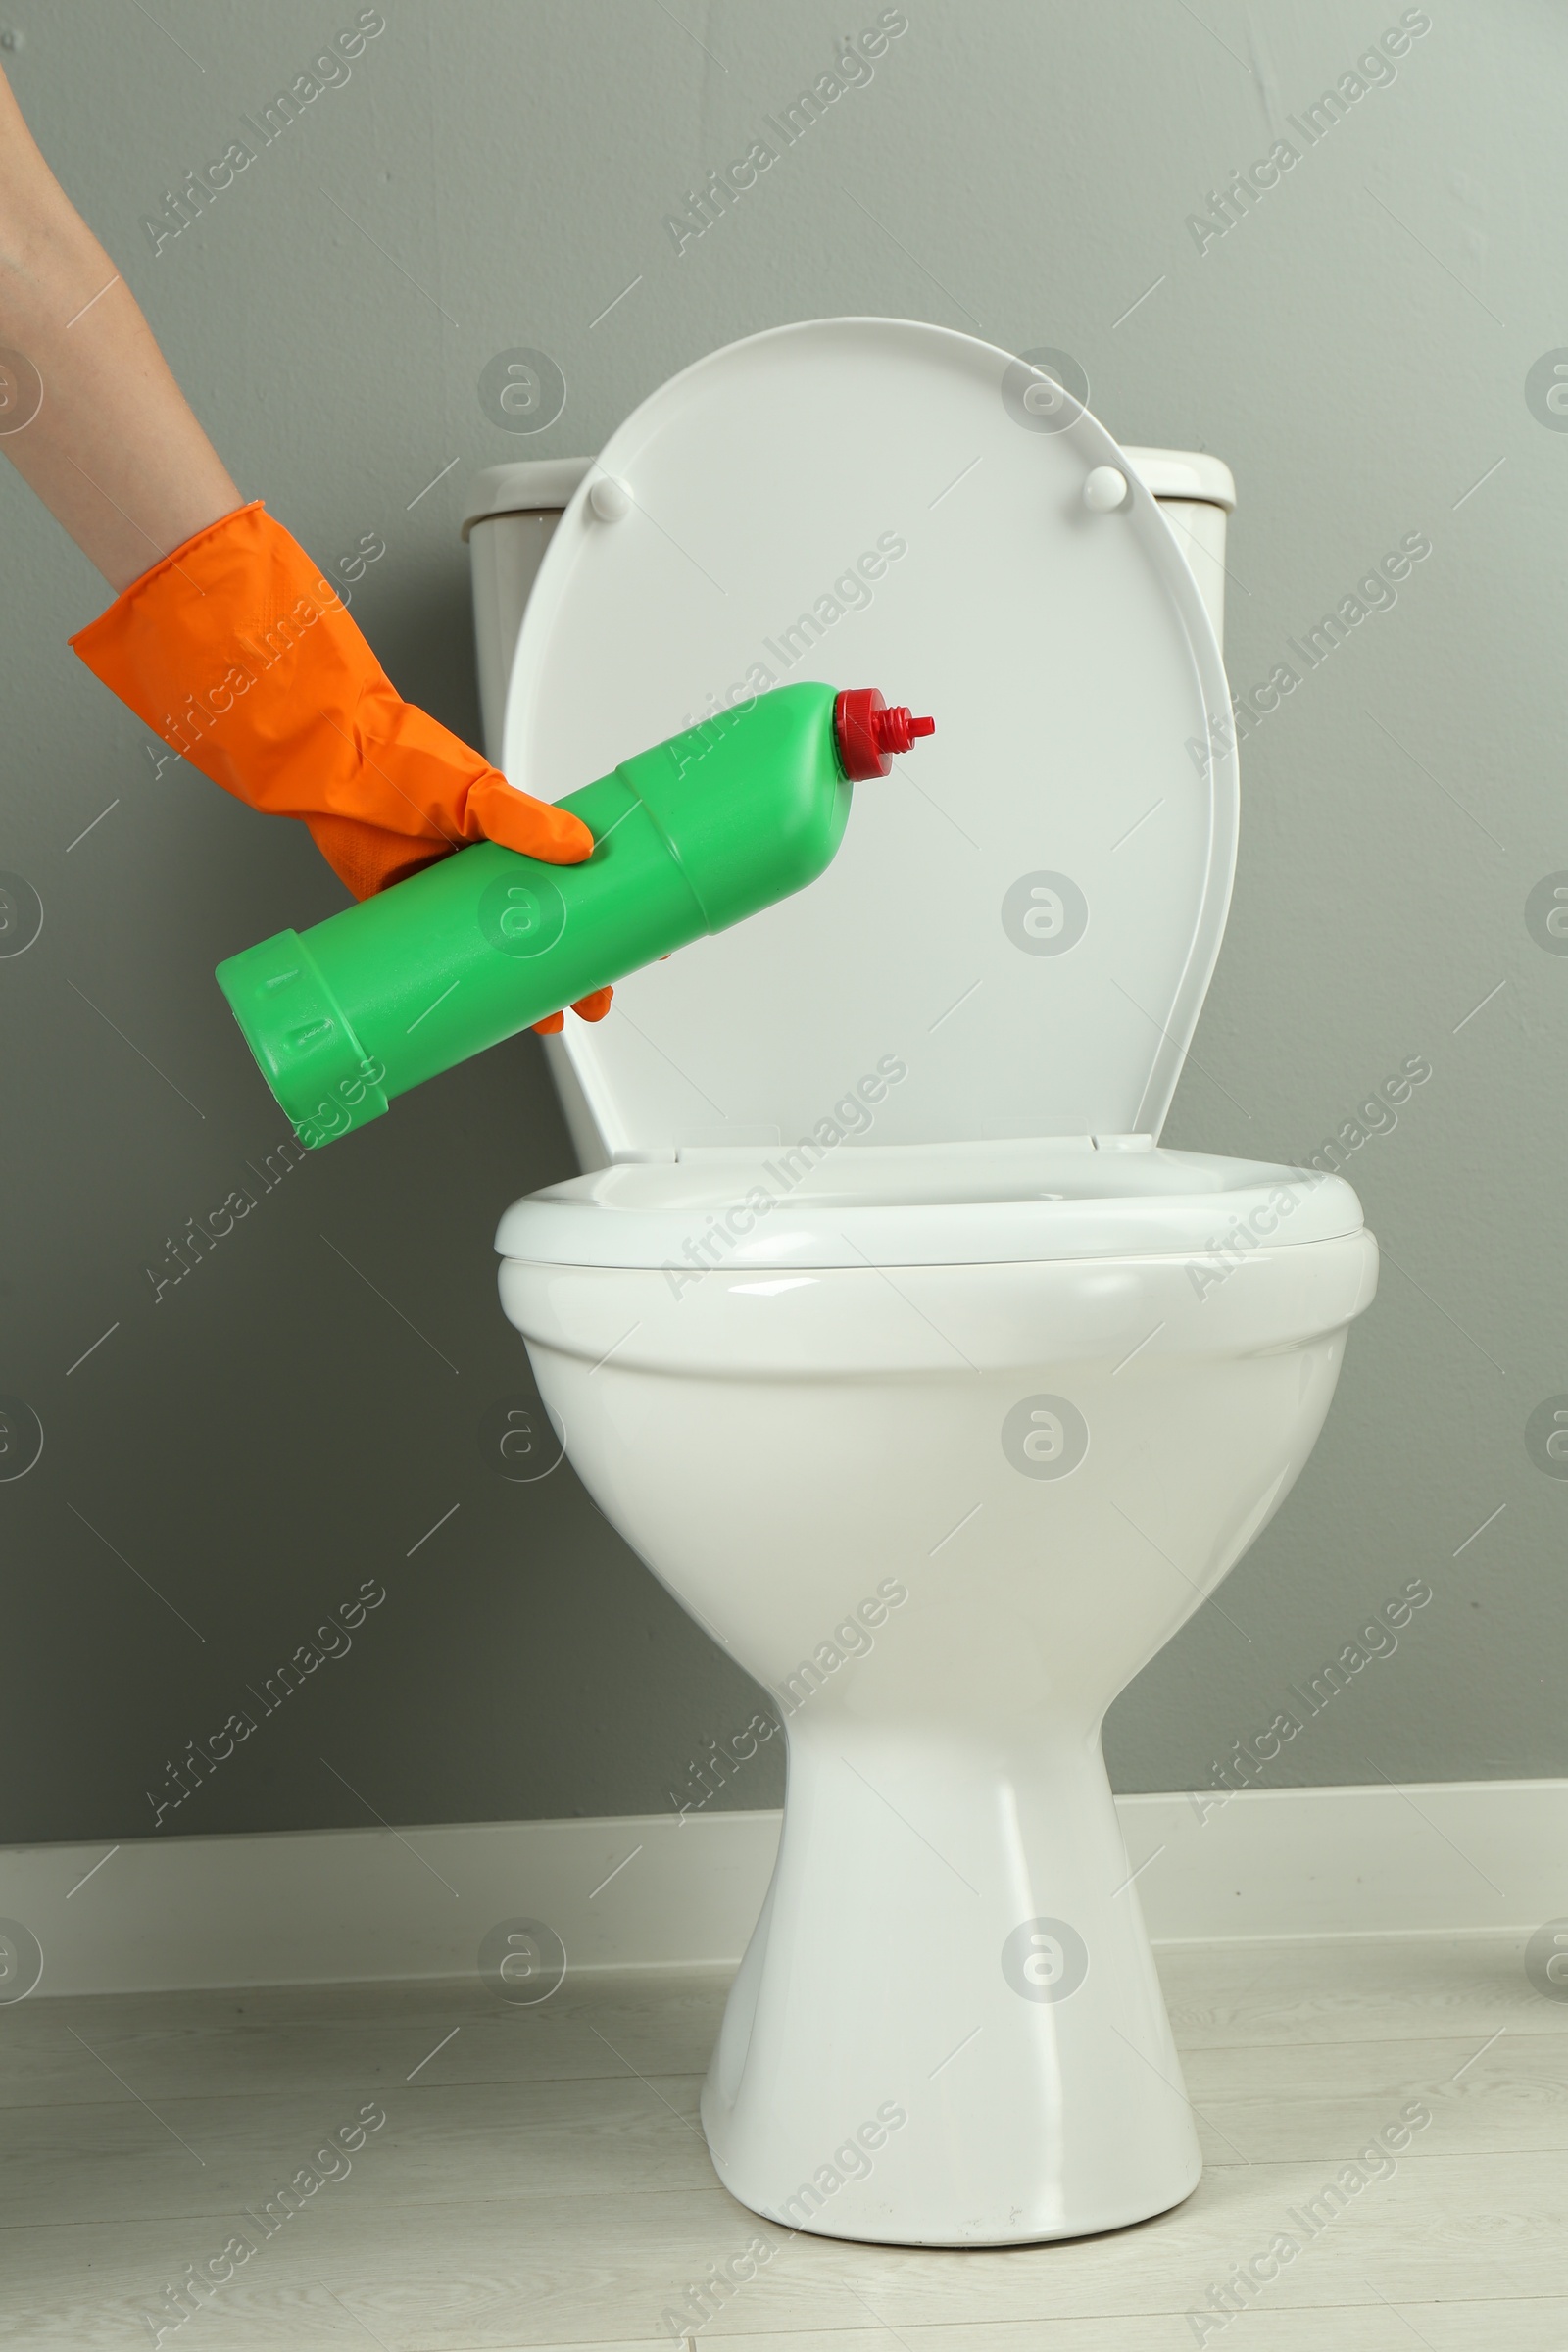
point(868, 733)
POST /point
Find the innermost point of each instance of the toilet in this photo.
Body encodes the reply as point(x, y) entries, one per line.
point(879, 1322)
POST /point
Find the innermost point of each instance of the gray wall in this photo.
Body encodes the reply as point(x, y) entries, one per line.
point(235, 1459)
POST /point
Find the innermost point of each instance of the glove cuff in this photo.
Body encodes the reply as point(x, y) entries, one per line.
point(242, 657)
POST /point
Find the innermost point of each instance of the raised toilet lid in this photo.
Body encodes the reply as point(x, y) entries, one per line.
point(1025, 914)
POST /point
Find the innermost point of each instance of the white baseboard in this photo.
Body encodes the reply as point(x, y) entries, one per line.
point(1449, 1857)
point(339, 1907)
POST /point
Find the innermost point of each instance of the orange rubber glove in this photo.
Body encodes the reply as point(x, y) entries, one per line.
point(241, 655)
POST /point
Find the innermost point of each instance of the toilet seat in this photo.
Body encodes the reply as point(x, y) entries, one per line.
point(945, 1205)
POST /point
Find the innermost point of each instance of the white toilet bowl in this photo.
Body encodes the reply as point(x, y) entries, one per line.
point(942, 1437)
point(944, 1506)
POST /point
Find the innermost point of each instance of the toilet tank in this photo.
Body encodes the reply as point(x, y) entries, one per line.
point(1196, 494)
point(513, 511)
point(512, 514)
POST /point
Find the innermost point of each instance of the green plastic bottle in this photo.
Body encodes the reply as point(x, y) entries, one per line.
point(689, 838)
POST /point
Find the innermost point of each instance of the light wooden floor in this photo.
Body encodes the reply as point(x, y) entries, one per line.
point(541, 2180)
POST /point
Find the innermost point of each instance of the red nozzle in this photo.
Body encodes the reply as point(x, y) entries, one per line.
point(868, 733)
point(896, 729)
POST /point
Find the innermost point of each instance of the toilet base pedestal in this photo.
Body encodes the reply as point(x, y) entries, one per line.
point(948, 2028)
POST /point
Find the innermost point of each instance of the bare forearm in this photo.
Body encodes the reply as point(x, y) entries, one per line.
point(89, 414)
